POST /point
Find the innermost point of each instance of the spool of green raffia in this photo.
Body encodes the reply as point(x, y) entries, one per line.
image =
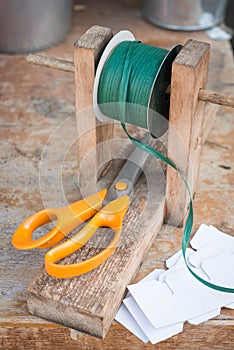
point(138, 76)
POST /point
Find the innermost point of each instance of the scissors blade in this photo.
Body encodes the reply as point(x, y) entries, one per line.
point(130, 172)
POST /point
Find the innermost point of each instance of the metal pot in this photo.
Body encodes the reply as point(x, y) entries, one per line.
point(184, 14)
point(31, 25)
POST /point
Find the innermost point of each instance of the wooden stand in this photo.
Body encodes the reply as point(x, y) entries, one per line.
point(89, 302)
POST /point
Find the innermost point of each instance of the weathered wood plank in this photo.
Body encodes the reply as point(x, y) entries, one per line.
point(215, 334)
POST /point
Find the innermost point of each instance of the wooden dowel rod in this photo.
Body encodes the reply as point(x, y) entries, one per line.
point(68, 66)
point(216, 97)
point(51, 62)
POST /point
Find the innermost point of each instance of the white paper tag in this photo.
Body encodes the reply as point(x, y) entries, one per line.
point(161, 302)
point(155, 335)
point(190, 299)
point(126, 319)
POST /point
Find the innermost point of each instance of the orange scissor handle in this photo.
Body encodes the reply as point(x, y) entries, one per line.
point(110, 216)
point(68, 218)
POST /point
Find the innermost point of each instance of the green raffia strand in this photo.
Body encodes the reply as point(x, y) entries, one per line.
point(128, 76)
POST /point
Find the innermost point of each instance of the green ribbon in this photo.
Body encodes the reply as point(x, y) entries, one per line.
point(127, 77)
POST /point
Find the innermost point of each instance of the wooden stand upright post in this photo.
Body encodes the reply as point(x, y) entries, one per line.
point(87, 52)
point(186, 120)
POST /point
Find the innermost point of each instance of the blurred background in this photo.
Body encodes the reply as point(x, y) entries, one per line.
point(32, 25)
point(230, 17)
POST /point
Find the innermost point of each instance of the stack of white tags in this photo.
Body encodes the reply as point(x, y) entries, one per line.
point(157, 307)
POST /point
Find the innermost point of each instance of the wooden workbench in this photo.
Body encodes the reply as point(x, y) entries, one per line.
point(33, 103)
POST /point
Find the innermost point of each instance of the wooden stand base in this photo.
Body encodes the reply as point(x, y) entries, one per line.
point(89, 302)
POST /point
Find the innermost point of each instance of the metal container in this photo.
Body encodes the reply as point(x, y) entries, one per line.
point(184, 14)
point(31, 25)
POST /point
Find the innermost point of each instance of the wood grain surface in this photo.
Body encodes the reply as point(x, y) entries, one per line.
point(33, 103)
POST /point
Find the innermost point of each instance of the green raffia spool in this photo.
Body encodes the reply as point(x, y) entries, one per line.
point(138, 75)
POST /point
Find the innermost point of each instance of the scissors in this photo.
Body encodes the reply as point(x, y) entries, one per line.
point(105, 208)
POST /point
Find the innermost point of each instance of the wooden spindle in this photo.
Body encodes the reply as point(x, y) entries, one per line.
point(51, 62)
point(216, 98)
point(68, 66)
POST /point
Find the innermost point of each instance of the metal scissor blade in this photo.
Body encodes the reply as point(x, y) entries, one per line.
point(130, 172)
